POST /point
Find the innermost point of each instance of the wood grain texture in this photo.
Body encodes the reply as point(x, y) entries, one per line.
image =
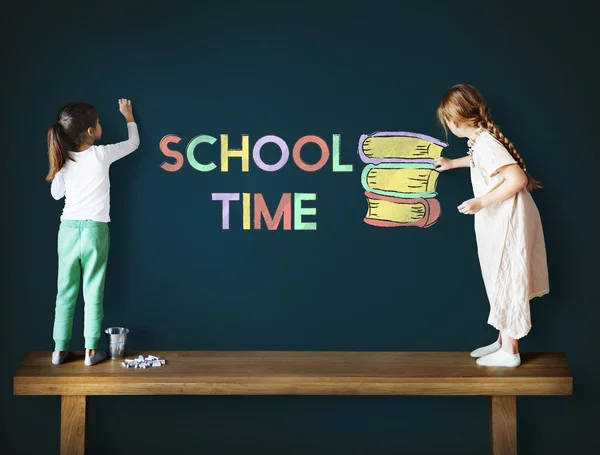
point(503, 425)
point(72, 425)
point(296, 373)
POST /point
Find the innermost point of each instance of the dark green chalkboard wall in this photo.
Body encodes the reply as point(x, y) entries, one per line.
point(179, 281)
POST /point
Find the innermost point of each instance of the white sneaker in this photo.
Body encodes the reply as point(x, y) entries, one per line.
point(500, 358)
point(489, 349)
point(61, 358)
point(94, 359)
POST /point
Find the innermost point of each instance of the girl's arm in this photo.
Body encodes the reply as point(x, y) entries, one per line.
point(57, 189)
point(117, 151)
point(514, 181)
point(445, 164)
point(465, 161)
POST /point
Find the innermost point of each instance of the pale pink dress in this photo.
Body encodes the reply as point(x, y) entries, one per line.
point(510, 243)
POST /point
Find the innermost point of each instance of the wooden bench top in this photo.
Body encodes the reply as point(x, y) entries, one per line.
point(296, 373)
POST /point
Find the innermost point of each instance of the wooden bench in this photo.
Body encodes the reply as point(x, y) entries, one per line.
point(296, 373)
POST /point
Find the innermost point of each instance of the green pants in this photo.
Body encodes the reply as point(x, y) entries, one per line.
point(82, 256)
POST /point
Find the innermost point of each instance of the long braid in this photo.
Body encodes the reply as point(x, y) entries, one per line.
point(488, 124)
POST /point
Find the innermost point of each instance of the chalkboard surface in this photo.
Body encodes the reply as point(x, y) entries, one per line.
point(177, 279)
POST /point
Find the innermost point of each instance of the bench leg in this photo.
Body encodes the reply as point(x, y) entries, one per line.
point(503, 425)
point(72, 424)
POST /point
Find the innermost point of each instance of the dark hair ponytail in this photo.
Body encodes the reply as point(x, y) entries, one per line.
point(67, 134)
point(58, 154)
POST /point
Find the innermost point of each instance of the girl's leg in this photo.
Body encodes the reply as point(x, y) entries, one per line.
point(95, 245)
point(509, 344)
point(69, 275)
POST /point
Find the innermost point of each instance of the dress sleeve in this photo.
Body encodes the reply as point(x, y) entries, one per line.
point(492, 156)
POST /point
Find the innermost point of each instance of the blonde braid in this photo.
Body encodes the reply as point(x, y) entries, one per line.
point(495, 131)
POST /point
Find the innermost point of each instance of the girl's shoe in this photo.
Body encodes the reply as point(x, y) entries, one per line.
point(94, 359)
point(61, 358)
point(486, 350)
point(500, 358)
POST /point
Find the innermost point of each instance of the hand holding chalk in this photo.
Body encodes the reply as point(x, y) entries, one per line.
point(442, 164)
point(126, 109)
point(471, 207)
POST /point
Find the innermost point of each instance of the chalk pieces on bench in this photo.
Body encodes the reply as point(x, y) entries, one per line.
point(141, 362)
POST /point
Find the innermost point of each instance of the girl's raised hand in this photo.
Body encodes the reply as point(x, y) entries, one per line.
point(442, 164)
point(126, 109)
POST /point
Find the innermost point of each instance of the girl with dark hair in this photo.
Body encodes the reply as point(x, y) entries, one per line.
point(79, 173)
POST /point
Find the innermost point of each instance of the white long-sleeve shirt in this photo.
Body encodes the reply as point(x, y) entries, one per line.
point(85, 182)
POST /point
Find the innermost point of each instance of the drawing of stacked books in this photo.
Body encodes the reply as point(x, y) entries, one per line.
point(399, 178)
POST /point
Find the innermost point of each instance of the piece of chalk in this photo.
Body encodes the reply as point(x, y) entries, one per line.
point(144, 362)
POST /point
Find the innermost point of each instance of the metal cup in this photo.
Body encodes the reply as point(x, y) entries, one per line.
point(115, 342)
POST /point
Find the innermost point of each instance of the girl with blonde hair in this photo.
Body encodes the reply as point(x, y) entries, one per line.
point(508, 228)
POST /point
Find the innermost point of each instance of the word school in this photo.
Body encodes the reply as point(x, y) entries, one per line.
point(285, 207)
